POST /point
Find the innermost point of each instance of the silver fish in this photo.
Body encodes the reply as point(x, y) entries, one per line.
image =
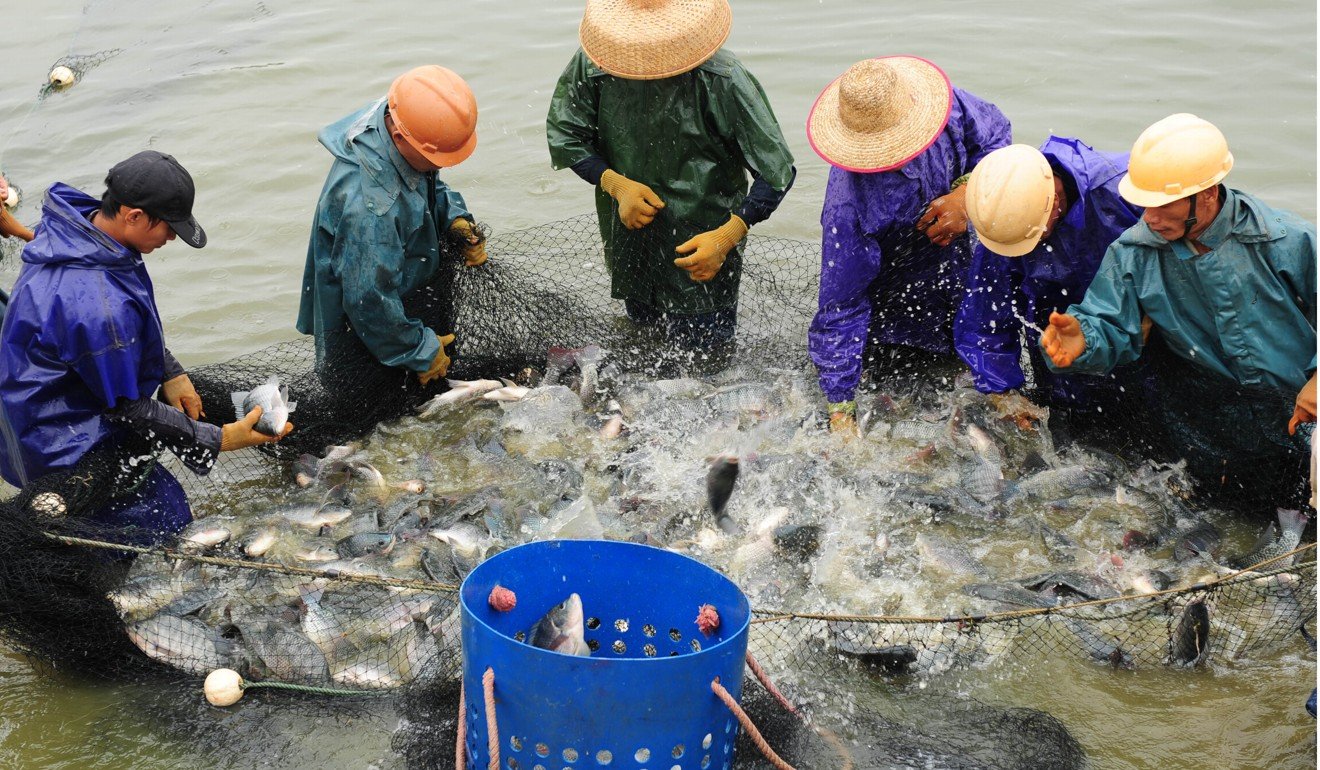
point(274, 402)
point(562, 629)
point(184, 643)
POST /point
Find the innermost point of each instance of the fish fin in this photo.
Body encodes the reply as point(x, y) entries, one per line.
point(456, 384)
point(291, 405)
point(238, 399)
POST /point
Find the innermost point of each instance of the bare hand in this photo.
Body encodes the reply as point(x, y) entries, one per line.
point(945, 218)
point(844, 425)
point(1062, 340)
point(1305, 409)
point(180, 394)
point(4, 189)
point(243, 434)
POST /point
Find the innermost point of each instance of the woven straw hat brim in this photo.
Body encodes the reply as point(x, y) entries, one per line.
point(884, 150)
point(653, 39)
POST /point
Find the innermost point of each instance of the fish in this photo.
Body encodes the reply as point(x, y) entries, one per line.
point(1199, 539)
point(802, 540)
point(562, 629)
point(258, 543)
point(719, 487)
point(365, 544)
point(1276, 541)
point(274, 402)
point(366, 471)
point(948, 556)
point(459, 392)
point(145, 595)
point(286, 654)
point(316, 516)
point(1080, 584)
point(1191, 639)
point(509, 393)
point(202, 534)
point(184, 643)
point(1054, 483)
point(319, 624)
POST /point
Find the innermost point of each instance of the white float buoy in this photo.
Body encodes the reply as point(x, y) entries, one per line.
point(61, 76)
point(49, 504)
point(11, 198)
point(223, 687)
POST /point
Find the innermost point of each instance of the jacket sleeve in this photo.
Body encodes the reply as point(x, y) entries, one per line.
point(449, 205)
point(986, 330)
point(985, 128)
point(369, 252)
point(1301, 278)
point(570, 125)
point(850, 261)
point(1110, 317)
point(195, 443)
point(761, 142)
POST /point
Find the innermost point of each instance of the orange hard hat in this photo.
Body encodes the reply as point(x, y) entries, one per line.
point(436, 112)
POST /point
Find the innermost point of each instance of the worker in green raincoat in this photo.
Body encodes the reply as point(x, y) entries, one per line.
point(1229, 284)
point(381, 225)
point(669, 127)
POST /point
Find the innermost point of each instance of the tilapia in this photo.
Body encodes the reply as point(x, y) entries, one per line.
point(182, 642)
point(274, 402)
point(1191, 639)
point(1276, 541)
point(286, 654)
point(562, 629)
point(719, 486)
point(948, 556)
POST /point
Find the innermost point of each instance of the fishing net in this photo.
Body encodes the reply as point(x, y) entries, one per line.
point(313, 565)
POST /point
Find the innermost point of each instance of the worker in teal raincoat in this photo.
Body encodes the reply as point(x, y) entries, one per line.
point(1229, 284)
point(670, 130)
point(377, 238)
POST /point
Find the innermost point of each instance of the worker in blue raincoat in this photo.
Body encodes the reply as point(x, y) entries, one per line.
point(375, 253)
point(669, 125)
point(83, 352)
point(894, 226)
point(1043, 219)
point(1229, 284)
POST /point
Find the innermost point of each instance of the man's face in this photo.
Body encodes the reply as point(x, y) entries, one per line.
point(143, 233)
point(1170, 220)
point(1060, 206)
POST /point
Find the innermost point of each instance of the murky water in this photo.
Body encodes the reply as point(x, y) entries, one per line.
point(237, 90)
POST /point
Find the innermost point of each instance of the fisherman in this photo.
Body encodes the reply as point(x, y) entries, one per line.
point(1229, 284)
point(1043, 219)
point(902, 141)
point(9, 226)
point(375, 287)
point(82, 350)
point(668, 125)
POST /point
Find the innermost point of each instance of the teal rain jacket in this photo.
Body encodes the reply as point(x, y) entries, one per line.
point(1244, 310)
point(375, 238)
point(691, 138)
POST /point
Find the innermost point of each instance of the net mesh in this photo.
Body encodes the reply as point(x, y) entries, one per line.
point(313, 563)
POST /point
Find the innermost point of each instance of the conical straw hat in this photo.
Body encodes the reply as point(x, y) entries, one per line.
point(653, 39)
point(880, 114)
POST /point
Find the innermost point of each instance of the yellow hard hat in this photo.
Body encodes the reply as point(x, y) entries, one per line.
point(436, 112)
point(1174, 158)
point(1009, 199)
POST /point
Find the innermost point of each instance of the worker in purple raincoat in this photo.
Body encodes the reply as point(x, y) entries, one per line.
point(895, 243)
point(83, 352)
point(1043, 220)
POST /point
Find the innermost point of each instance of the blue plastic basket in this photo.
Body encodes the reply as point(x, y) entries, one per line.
point(642, 699)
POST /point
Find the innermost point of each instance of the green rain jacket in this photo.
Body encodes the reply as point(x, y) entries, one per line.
point(692, 139)
point(375, 238)
point(1245, 310)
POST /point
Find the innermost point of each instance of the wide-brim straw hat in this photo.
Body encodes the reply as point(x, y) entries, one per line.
point(653, 39)
point(880, 113)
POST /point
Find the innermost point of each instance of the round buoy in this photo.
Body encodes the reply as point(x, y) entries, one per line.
point(61, 76)
point(48, 504)
point(11, 198)
point(224, 687)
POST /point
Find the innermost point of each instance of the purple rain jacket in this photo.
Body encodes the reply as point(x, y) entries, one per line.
point(881, 281)
point(1002, 292)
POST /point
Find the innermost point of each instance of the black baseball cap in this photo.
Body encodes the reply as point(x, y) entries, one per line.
point(157, 184)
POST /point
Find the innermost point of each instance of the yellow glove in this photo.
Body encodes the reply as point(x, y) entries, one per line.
point(474, 253)
point(441, 363)
point(709, 249)
point(638, 204)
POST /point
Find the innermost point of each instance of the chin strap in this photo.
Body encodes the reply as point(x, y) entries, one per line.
point(1190, 222)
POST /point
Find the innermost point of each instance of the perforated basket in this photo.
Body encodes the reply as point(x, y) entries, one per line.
point(642, 699)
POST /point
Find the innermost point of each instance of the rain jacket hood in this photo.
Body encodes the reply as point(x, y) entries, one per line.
point(1245, 310)
point(81, 333)
point(376, 238)
point(1002, 291)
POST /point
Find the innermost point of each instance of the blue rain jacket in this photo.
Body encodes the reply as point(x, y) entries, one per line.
point(880, 279)
point(375, 238)
point(1003, 292)
point(81, 333)
point(1245, 310)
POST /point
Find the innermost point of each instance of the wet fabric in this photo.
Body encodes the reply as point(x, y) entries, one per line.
point(376, 238)
point(1004, 292)
point(882, 282)
point(82, 333)
point(155, 509)
point(693, 139)
point(1246, 310)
